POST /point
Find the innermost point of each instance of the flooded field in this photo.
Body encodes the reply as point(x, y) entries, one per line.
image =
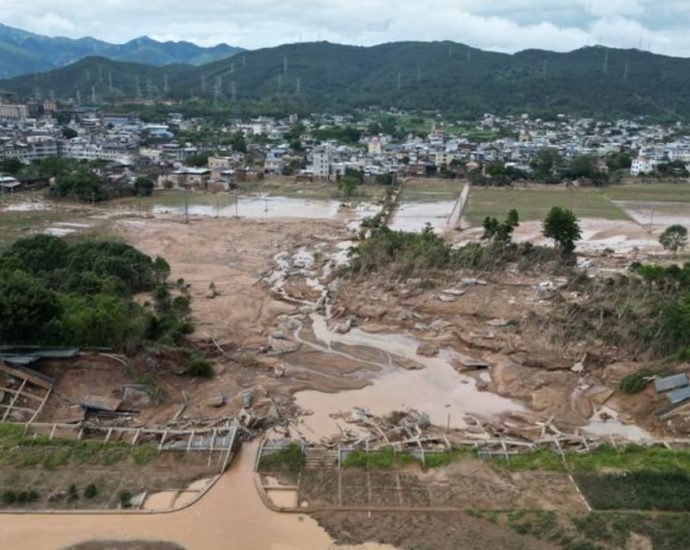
point(421, 205)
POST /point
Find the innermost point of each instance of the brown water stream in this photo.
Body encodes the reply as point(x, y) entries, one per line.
point(230, 517)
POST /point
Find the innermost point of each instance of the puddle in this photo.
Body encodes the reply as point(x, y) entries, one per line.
point(231, 515)
point(612, 426)
point(438, 389)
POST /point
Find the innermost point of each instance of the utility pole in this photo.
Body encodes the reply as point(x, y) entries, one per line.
point(285, 65)
point(186, 203)
point(233, 91)
point(627, 69)
point(605, 68)
point(298, 85)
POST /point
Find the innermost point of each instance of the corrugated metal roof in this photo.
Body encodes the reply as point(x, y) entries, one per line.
point(671, 382)
point(679, 395)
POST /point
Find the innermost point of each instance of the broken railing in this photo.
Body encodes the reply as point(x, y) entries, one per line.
point(219, 442)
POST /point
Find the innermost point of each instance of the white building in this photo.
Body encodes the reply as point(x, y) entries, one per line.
point(642, 165)
point(19, 112)
point(321, 163)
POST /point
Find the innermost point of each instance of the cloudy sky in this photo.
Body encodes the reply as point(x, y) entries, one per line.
point(502, 25)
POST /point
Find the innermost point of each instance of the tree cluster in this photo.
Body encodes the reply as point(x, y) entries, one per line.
point(54, 293)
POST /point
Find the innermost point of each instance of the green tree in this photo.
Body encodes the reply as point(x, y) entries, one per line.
point(501, 232)
point(27, 309)
point(80, 185)
point(198, 159)
point(53, 167)
point(547, 164)
point(238, 142)
point(674, 238)
point(69, 133)
point(563, 227)
point(143, 187)
point(11, 165)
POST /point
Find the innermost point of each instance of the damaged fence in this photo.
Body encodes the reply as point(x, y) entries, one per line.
point(220, 443)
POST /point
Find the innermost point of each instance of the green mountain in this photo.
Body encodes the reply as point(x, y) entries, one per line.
point(23, 52)
point(443, 76)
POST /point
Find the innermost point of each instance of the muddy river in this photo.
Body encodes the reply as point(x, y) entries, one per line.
point(230, 517)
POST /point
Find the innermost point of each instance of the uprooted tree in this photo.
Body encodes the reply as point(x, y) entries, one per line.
point(563, 227)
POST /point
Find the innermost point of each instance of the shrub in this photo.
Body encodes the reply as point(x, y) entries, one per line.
point(199, 367)
point(91, 491)
point(125, 498)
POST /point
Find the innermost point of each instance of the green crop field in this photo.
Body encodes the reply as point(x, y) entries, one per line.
point(652, 191)
point(533, 203)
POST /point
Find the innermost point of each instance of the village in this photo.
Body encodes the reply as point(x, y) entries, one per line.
point(211, 153)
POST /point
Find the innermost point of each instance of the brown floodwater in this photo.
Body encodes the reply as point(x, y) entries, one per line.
point(231, 516)
point(437, 389)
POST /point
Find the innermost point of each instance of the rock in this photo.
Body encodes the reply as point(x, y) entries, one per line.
point(501, 323)
point(278, 335)
point(445, 298)
point(473, 282)
point(343, 328)
point(135, 397)
point(440, 324)
point(453, 292)
point(408, 364)
point(246, 396)
point(218, 369)
point(279, 371)
point(426, 349)
point(216, 401)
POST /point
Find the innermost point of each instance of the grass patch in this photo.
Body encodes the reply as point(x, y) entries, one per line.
point(541, 459)
point(387, 458)
point(143, 454)
point(637, 491)
point(534, 202)
point(649, 192)
point(290, 458)
point(16, 450)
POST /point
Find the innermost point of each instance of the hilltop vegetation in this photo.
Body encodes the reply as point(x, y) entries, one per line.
point(444, 76)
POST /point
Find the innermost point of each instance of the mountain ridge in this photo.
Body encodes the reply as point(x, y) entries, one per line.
point(442, 76)
point(23, 52)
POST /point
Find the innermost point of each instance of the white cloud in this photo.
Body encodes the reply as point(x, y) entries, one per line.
point(505, 25)
point(51, 23)
point(610, 8)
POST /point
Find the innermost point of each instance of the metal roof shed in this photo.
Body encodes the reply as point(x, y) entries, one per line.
point(678, 396)
point(671, 382)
